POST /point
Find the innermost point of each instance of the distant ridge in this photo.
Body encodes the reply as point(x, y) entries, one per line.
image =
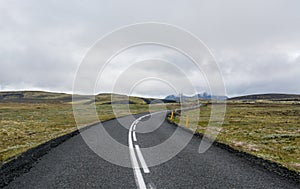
point(34, 96)
point(271, 96)
point(53, 97)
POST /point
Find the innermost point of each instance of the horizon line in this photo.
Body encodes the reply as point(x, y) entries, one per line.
point(136, 95)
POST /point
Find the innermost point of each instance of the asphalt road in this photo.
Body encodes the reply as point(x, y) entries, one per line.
point(151, 141)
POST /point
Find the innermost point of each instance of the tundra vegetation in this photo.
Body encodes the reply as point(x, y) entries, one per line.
point(264, 128)
point(28, 119)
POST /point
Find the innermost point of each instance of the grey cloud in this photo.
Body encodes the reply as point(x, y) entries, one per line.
point(255, 73)
point(256, 43)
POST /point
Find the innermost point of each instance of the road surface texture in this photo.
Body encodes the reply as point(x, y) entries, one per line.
point(73, 164)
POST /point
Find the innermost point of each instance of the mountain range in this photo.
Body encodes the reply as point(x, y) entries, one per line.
point(196, 96)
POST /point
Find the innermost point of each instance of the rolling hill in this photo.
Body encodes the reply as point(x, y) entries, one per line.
point(51, 97)
point(272, 97)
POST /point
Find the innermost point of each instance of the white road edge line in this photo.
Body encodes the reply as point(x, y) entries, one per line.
point(141, 158)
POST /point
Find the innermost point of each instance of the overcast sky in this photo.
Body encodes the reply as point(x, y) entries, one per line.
point(256, 43)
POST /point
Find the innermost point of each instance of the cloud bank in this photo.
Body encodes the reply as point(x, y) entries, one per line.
point(256, 43)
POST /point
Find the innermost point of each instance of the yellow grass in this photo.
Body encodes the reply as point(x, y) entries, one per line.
point(267, 130)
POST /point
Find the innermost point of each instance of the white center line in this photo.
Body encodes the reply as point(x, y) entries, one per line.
point(135, 165)
point(139, 180)
point(141, 158)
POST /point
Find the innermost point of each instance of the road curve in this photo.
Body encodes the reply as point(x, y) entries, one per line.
point(73, 164)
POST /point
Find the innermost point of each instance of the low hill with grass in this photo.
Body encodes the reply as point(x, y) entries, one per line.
point(271, 97)
point(34, 96)
point(51, 97)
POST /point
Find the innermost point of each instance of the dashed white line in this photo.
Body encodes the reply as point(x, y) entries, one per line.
point(134, 136)
point(142, 160)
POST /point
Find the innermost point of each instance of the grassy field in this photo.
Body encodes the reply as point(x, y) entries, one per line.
point(39, 117)
point(264, 128)
point(270, 130)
